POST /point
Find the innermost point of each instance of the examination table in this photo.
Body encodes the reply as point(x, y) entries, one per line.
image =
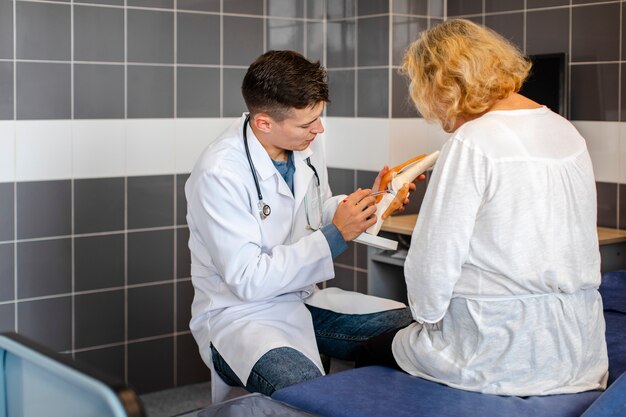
point(378, 391)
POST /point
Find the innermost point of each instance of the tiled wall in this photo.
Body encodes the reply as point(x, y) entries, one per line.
point(105, 104)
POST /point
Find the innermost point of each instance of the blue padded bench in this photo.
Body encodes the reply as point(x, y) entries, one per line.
point(379, 391)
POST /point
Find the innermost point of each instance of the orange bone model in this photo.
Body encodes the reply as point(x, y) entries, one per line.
point(388, 177)
point(397, 201)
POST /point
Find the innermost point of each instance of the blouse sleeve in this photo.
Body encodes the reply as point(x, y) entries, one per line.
point(440, 243)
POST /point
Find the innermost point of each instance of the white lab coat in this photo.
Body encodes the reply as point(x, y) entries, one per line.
point(251, 275)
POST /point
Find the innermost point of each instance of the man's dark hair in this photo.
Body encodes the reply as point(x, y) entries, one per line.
point(279, 81)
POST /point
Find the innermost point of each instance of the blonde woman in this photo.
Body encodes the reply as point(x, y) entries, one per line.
point(504, 265)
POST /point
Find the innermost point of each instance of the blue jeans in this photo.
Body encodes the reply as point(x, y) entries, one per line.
point(338, 336)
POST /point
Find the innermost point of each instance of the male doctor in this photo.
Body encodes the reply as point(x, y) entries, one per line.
point(264, 229)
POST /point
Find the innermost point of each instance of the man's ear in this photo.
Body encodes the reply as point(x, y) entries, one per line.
point(263, 122)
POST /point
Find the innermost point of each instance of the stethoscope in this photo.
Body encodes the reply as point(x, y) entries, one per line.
point(264, 209)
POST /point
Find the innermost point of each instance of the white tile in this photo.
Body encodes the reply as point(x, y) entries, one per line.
point(412, 137)
point(7, 151)
point(622, 153)
point(603, 142)
point(150, 146)
point(192, 136)
point(99, 148)
point(43, 150)
point(353, 143)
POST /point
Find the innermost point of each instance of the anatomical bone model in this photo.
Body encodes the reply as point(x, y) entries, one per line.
point(397, 182)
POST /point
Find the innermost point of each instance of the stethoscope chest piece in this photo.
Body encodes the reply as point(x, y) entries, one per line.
point(264, 210)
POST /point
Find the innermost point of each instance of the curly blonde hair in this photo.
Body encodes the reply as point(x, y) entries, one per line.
point(460, 69)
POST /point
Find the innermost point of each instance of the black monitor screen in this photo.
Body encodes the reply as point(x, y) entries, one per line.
point(546, 83)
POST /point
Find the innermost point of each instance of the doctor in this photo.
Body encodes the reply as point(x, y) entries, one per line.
point(264, 229)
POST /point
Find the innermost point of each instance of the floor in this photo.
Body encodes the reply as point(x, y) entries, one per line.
point(183, 400)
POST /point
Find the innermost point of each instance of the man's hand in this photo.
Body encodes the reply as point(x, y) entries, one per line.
point(355, 214)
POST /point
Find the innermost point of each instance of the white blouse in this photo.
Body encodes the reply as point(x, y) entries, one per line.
point(504, 264)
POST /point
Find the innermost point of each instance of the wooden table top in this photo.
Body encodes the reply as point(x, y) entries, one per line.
point(404, 225)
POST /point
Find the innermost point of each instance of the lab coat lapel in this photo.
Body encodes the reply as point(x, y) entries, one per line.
point(303, 175)
point(263, 163)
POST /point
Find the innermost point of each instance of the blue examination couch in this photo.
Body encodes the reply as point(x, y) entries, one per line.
point(378, 391)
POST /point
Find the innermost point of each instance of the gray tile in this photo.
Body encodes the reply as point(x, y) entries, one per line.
point(531, 4)
point(181, 200)
point(586, 1)
point(150, 92)
point(109, 360)
point(183, 256)
point(43, 209)
point(622, 206)
point(198, 39)
point(285, 34)
point(150, 201)
point(98, 205)
point(184, 298)
point(316, 9)
point(104, 2)
point(6, 90)
point(415, 7)
point(595, 33)
point(150, 36)
point(344, 279)
point(233, 105)
point(341, 86)
point(198, 92)
point(365, 179)
point(607, 204)
point(623, 101)
point(7, 272)
point(315, 41)
point(98, 91)
point(509, 25)
point(348, 257)
point(402, 105)
point(373, 93)
point(99, 318)
point(464, 7)
point(199, 5)
point(243, 7)
point(161, 4)
point(6, 30)
point(340, 9)
point(44, 268)
point(435, 8)
point(243, 39)
point(404, 31)
point(361, 258)
point(98, 34)
point(150, 256)
point(43, 90)
point(150, 311)
point(47, 322)
point(99, 262)
point(340, 43)
point(341, 180)
point(361, 281)
point(190, 367)
point(367, 7)
point(550, 31)
point(373, 41)
point(147, 371)
point(7, 317)
point(594, 95)
point(285, 8)
point(503, 5)
point(7, 212)
point(43, 31)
